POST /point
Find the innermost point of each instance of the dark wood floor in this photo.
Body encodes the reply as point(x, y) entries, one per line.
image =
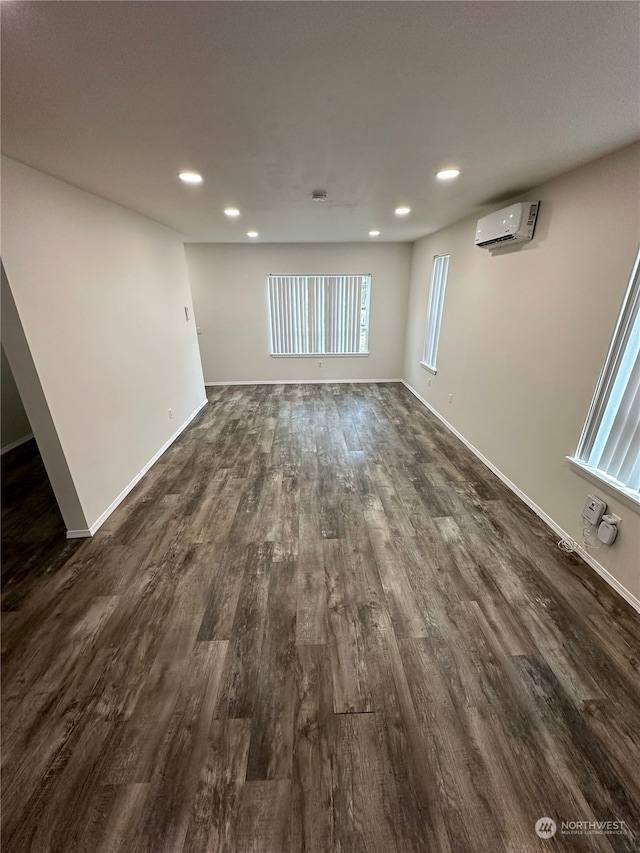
point(318, 624)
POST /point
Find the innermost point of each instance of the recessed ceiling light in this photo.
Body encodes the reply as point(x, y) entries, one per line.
point(374, 233)
point(190, 177)
point(447, 174)
point(402, 211)
point(252, 233)
point(231, 211)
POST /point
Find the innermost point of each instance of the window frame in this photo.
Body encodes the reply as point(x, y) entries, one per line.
point(627, 317)
point(367, 309)
point(435, 311)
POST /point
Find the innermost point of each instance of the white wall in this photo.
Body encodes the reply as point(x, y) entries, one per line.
point(524, 336)
point(15, 426)
point(229, 286)
point(100, 293)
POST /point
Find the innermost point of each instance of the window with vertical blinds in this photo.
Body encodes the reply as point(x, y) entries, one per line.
point(434, 311)
point(319, 314)
point(609, 446)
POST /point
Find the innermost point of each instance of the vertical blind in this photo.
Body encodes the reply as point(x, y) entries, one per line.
point(434, 311)
point(319, 315)
point(610, 441)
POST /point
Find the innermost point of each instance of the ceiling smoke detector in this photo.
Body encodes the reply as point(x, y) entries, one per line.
point(319, 195)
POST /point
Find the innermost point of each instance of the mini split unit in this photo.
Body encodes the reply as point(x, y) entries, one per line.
point(513, 224)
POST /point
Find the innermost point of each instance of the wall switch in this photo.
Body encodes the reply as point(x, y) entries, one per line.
point(170, 413)
point(199, 330)
point(186, 313)
point(428, 383)
point(593, 510)
point(451, 398)
point(319, 364)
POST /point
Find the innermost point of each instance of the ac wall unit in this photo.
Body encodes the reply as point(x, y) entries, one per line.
point(513, 224)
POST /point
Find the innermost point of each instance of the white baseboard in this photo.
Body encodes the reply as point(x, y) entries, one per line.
point(585, 555)
point(83, 534)
point(301, 382)
point(15, 444)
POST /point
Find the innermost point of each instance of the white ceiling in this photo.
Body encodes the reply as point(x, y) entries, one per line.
point(271, 100)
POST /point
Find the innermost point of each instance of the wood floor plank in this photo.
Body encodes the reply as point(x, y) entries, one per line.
point(242, 666)
point(263, 821)
point(351, 681)
point(183, 750)
point(460, 761)
point(127, 807)
point(361, 818)
point(418, 819)
point(271, 749)
point(224, 592)
point(311, 601)
point(213, 822)
point(315, 729)
point(407, 619)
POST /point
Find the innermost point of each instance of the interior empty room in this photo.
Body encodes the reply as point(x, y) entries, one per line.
point(320, 428)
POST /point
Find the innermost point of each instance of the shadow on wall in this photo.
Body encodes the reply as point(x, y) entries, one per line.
point(29, 388)
point(15, 428)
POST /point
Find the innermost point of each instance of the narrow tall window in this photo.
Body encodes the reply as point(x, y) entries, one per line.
point(609, 446)
point(434, 311)
point(319, 314)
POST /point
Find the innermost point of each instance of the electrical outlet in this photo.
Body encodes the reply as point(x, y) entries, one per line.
point(593, 510)
point(170, 413)
point(429, 383)
point(319, 364)
point(186, 313)
point(451, 398)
